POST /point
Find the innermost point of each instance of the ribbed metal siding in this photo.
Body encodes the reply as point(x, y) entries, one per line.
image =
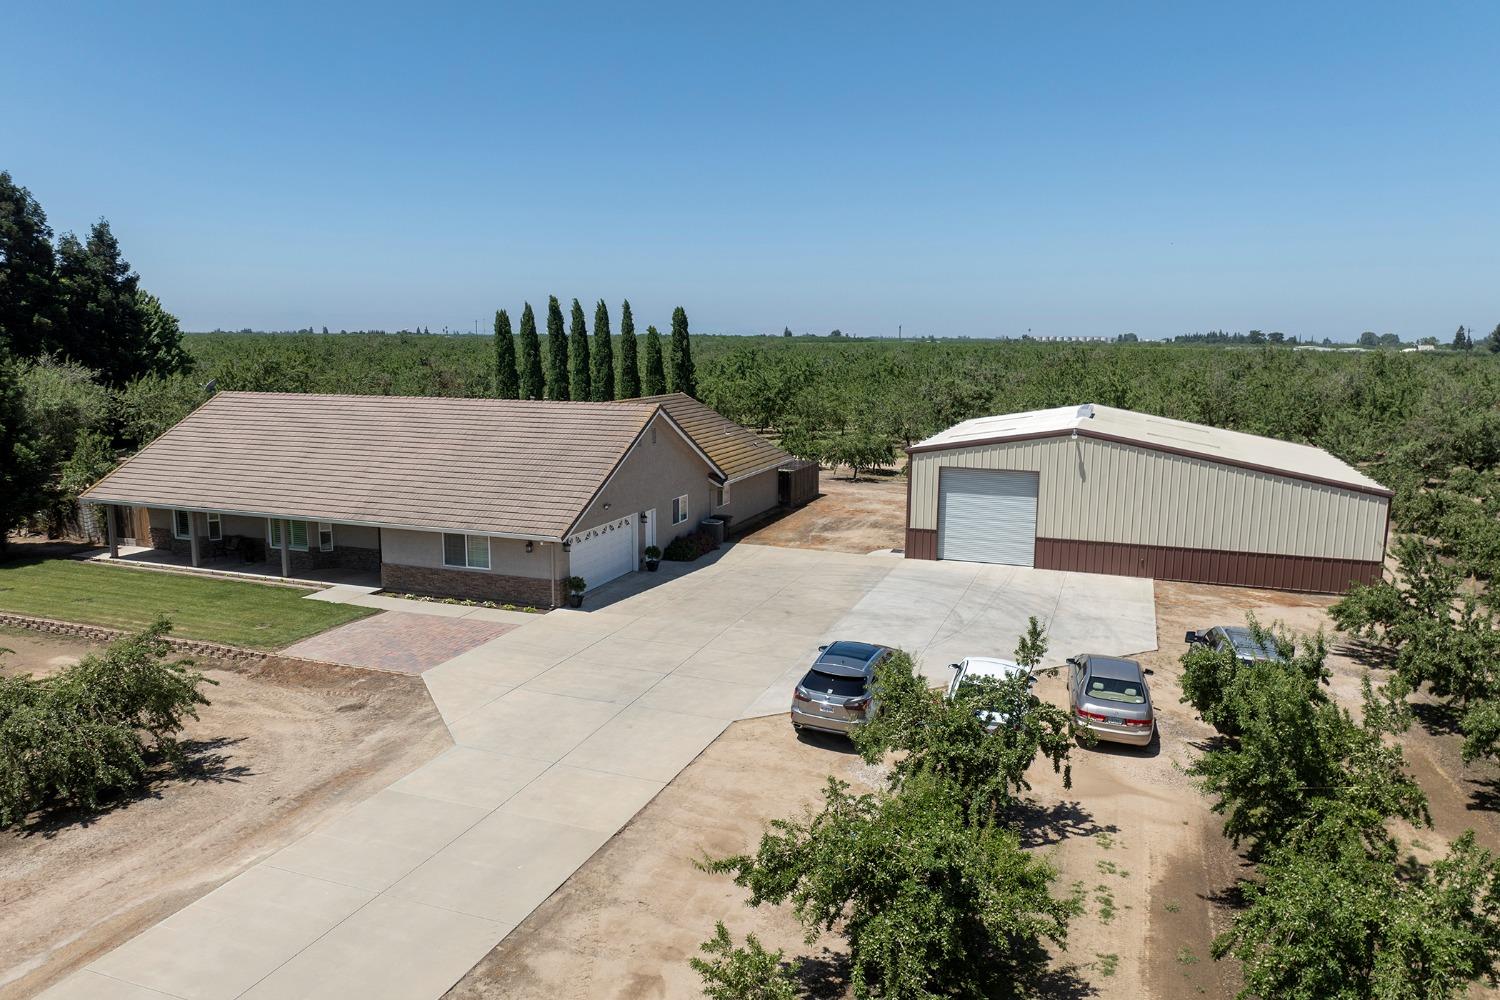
point(987, 516)
point(1110, 492)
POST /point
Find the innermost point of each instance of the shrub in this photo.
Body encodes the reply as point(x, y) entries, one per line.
point(931, 905)
point(1210, 676)
point(96, 729)
point(686, 548)
point(748, 973)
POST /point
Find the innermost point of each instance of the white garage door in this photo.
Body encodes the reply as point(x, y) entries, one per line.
point(601, 554)
point(987, 516)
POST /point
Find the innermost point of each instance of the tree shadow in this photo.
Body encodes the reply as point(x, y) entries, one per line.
point(1040, 825)
point(1064, 983)
point(1438, 719)
point(824, 976)
point(1484, 794)
point(1367, 654)
point(204, 761)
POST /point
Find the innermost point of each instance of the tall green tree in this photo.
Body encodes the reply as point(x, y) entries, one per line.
point(654, 375)
point(683, 377)
point(579, 376)
point(557, 351)
point(28, 273)
point(603, 375)
point(106, 324)
point(1462, 341)
point(629, 385)
point(1492, 342)
point(507, 377)
point(23, 470)
point(533, 383)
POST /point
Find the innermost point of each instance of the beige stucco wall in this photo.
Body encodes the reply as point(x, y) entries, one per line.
point(649, 477)
point(1105, 491)
point(751, 497)
point(508, 556)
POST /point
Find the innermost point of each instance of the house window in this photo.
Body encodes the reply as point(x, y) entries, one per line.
point(182, 524)
point(721, 496)
point(466, 551)
point(679, 509)
point(325, 536)
point(296, 534)
point(215, 527)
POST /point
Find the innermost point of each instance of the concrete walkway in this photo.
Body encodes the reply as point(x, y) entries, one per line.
point(563, 729)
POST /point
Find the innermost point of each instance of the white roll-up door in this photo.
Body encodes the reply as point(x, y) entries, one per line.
point(601, 554)
point(988, 516)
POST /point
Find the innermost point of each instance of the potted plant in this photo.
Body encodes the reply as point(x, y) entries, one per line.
point(653, 558)
point(576, 586)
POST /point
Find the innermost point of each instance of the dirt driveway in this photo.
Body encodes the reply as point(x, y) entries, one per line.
point(849, 516)
point(1132, 831)
point(281, 745)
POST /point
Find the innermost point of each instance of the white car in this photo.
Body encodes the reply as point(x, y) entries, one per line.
point(986, 666)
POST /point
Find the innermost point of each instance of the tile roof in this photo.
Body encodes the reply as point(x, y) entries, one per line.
point(740, 452)
point(498, 466)
point(1298, 461)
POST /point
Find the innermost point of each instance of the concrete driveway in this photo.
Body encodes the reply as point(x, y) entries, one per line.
point(563, 729)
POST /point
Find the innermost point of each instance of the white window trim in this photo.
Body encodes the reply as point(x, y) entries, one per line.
point(215, 527)
point(680, 504)
point(723, 497)
point(325, 527)
point(468, 540)
point(177, 532)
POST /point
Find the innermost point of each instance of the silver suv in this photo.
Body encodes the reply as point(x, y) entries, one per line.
point(834, 696)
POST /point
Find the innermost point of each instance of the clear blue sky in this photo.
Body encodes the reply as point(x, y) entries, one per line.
point(974, 169)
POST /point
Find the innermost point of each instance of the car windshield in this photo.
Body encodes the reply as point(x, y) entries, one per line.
point(843, 687)
point(1115, 689)
point(975, 685)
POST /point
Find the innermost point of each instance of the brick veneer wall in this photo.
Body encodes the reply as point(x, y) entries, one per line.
point(471, 584)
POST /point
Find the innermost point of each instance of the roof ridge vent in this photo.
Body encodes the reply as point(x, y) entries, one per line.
point(1086, 412)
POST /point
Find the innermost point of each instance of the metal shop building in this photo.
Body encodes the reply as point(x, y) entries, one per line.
point(1103, 490)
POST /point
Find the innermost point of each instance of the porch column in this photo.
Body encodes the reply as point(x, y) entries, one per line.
point(110, 513)
point(286, 551)
point(193, 536)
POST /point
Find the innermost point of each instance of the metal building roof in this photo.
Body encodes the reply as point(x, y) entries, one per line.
point(1283, 458)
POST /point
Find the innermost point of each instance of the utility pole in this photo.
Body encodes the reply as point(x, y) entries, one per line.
point(898, 331)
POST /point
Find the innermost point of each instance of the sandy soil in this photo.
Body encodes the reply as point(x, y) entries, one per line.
point(280, 747)
point(1132, 830)
point(847, 516)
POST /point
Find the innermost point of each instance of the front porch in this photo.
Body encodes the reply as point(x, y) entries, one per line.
point(234, 566)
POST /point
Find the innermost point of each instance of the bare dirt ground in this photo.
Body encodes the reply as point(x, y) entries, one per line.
point(1133, 831)
point(280, 747)
point(848, 516)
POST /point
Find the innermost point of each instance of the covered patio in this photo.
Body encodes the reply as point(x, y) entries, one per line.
point(233, 565)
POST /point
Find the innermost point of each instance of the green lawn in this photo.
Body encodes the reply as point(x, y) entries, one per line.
point(254, 615)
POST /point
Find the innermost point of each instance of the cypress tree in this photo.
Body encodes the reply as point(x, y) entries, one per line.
point(533, 384)
point(683, 378)
point(28, 272)
point(578, 355)
point(603, 376)
point(654, 378)
point(630, 370)
point(557, 351)
point(507, 379)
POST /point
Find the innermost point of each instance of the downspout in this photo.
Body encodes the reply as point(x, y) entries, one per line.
point(553, 549)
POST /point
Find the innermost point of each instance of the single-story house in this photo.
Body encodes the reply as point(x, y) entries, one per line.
point(1104, 490)
point(490, 499)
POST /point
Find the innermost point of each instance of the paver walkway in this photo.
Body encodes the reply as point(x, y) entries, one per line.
point(397, 640)
point(563, 729)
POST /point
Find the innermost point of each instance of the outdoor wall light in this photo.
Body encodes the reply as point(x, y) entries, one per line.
point(606, 506)
point(567, 546)
point(528, 546)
